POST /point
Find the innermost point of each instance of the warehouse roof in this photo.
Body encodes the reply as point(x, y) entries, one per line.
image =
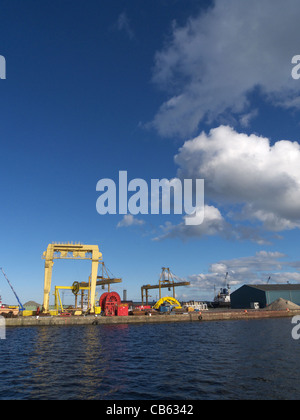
point(269, 287)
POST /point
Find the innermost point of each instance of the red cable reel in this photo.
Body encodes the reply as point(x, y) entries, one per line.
point(109, 303)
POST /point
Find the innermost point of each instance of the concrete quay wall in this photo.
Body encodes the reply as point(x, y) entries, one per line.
point(191, 317)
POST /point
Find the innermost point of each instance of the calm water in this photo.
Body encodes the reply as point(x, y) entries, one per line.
point(220, 360)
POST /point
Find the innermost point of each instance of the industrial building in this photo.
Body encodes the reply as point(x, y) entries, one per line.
point(264, 294)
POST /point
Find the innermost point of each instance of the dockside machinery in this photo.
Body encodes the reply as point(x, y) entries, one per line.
point(70, 251)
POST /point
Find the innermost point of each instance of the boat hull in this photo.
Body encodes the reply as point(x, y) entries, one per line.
point(9, 312)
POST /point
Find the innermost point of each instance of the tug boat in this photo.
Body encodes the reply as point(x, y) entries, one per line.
point(222, 299)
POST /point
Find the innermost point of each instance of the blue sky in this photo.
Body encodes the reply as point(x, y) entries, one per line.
point(97, 87)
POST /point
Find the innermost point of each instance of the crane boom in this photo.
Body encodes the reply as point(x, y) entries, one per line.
point(20, 304)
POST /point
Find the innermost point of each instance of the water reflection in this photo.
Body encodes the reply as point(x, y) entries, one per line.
point(254, 359)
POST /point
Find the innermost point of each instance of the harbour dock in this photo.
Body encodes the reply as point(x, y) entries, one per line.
point(207, 316)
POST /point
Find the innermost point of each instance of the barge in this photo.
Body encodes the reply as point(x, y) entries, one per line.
point(8, 311)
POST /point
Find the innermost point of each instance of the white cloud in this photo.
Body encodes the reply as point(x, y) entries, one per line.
point(129, 220)
point(246, 118)
point(213, 224)
point(246, 171)
point(209, 66)
point(251, 187)
point(247, 270)
point(123, 24)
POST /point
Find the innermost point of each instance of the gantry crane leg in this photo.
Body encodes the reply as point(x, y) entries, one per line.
point(47, 284)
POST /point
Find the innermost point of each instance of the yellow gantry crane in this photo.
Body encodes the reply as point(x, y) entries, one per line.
point(70, 251)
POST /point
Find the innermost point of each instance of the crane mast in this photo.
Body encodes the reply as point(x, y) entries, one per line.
point(19, 302)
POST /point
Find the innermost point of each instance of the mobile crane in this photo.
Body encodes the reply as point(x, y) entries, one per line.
point(19, 302)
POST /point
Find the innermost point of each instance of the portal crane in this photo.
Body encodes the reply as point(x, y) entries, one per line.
point(166, 280)
point(70, 251)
